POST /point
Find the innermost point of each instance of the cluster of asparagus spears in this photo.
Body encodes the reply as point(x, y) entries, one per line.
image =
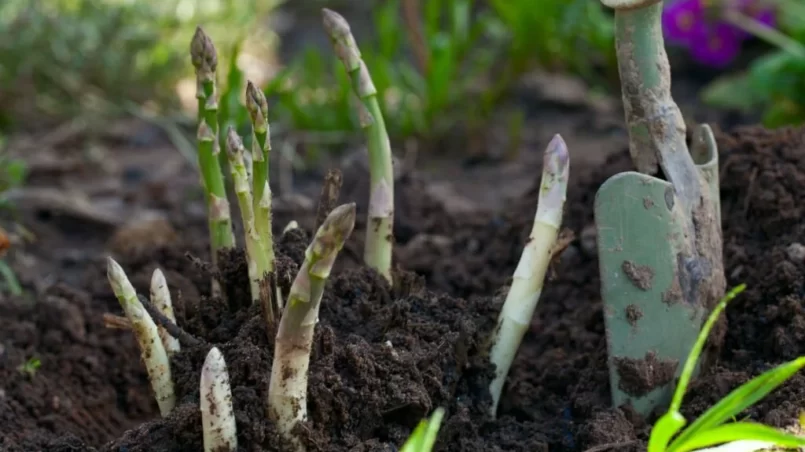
point(287, 394)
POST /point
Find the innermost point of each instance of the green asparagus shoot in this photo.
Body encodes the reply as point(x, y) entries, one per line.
point(287, 394)
point(257, 258)
point(529, 276)
point(145, 331)
point(217, 414)
point(379, 227)
point(161, 298)
point(712, 427)
point(424, 435)
point(261, 147)
point(205, 61)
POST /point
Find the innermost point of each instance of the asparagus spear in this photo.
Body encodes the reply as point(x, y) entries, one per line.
point(515, 316)
point(145, 330)
point(287, 394)
point(379, 233)
point(161, 298)
point(261, 147)
point(217, 415)
point(255, 253)
point(205, 60)
point(290, 226)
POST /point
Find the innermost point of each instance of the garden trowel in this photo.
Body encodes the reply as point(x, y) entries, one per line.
point(659, 240)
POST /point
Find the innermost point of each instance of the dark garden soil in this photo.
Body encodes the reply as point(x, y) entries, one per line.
point(384, 358)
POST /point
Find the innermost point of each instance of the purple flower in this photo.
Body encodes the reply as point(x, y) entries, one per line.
point(699, 26)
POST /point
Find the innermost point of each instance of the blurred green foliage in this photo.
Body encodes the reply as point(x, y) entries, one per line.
point(72, 56)
point(13, 172)
point(476, 52)
point(775, 82)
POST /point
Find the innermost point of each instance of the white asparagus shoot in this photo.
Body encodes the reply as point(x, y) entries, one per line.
point(287, 393)
point(529, 276)
point(379, 226)
point(290, 226)
point(217, 415)
point(161, 299)
point(145, 330)
point(258, 260)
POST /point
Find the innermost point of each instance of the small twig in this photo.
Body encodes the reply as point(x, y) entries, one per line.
point(609, 446)
point(116, 322)
point(173, 329)
point(329, 195)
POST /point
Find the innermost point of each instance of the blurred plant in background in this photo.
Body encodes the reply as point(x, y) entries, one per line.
point(12, 175)
point(774, 83)
point(440, 64)
point(67, 57)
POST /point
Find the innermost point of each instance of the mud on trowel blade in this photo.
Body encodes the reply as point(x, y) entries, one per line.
point(641, 230)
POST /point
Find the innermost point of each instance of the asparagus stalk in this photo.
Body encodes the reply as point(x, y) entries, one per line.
point(255, 253)
point(529, 276)
point(379, 233)
point(287, 394)
point(217, 415)
point(261, 147)
point(205, 61)
point(161, 298)
point(145, 330)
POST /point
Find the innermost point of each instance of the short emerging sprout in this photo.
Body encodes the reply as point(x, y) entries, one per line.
point(217, 415)
point(161, 299)
point(523, 296)
point(379, 227)
point(287, 394)
point(145, 330)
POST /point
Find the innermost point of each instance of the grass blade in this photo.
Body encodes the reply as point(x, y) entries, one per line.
point(738, 400)
point(740, 431)
point(424, 435)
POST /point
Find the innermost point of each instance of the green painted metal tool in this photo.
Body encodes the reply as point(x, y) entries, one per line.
point(659, 240)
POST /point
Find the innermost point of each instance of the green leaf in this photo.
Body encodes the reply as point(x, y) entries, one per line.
point(664, 429)
point(740, 431)
point(424, 435)
point(696, 351)
point(732, 92)
point(739, 399)
point(10, 278)
point(670, 423)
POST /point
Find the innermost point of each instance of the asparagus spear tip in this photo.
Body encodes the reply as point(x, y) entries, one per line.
point(161, 298)
point(217, 413)
point(203, 54)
